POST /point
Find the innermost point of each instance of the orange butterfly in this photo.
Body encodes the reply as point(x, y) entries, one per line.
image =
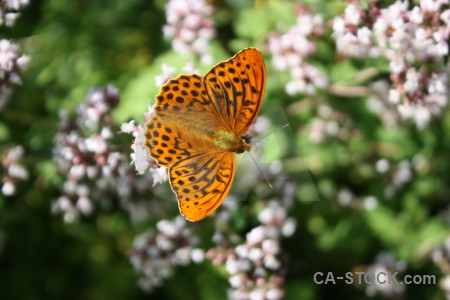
point(198, 125)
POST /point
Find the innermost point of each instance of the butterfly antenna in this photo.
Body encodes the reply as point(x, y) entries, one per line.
point(260, 171)
point(287, 125)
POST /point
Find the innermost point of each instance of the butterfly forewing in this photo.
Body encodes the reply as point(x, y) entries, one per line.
point(237, 88)
point(184, 95)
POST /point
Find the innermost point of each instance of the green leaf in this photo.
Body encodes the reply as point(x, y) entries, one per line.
point(421, 241)
point(386, 225)
point(343, 70)
point(253, 24)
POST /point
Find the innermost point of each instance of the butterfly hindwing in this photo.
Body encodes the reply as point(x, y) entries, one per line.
point(164, 142)
point(201, 183)
point(171, 137)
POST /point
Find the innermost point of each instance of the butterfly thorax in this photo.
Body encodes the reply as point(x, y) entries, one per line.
point(230, 141)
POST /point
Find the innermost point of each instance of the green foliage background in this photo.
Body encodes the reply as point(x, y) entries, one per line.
point(76, 45)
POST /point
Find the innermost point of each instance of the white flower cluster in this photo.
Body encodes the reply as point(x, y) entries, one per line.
point(291, 50)
point(8, 11)
point(155, 255)
point(13, 171)
point(352, 38)
point(420, 96)
point(190, 27)
point(11, 63)
point(386, 263)
point(86, 154)
point(401, 34)
point(404, 36)
point(256, 267)
point(140, 156)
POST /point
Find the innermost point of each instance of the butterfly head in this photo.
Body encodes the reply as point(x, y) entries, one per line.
point(243, 144)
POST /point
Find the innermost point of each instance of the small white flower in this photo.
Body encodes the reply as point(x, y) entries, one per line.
point(96, 144)
point(190, 68)
point(18, 171)
point(159, 175)
point(394, 96)
point(352, 15)
point(382, 165)
point(338, 25)
point(23, 61)
point(256, 235)
point(403, 173)
point(197, 255)
point(167, 73)
point(236, 280)
point(274, 294)
point(167, 227)
point(256, 295)
point(345, 197)
point(77, 171)
point(397, 66)
point(271, 262)
point(163, 242)
point(289, 227)
point(183, 256)
point(142, 159)
point(406, 111)
point(241, 251)
point(364, 36)
point(271, 246)
point(430, 5)
point(96, 97)
point(438, 84)
point(245, 265)
point(422, 116)
point(232, 266)
point(91, 171)
point(255, 254)
point(325, 111)
point(332, 128)
point(106, 133)
point(8, 188)
point(416, 15)
point(370, 202)
point(266, 216)
point(84, 205)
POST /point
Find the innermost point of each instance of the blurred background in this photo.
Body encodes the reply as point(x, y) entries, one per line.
point(361, 177)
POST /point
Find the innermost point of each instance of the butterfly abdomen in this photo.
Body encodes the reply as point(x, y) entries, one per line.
point(230, 142)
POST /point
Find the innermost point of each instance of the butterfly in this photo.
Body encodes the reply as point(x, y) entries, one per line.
point(197, 128)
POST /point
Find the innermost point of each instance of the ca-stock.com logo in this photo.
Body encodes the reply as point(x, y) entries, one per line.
point(373, 278)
